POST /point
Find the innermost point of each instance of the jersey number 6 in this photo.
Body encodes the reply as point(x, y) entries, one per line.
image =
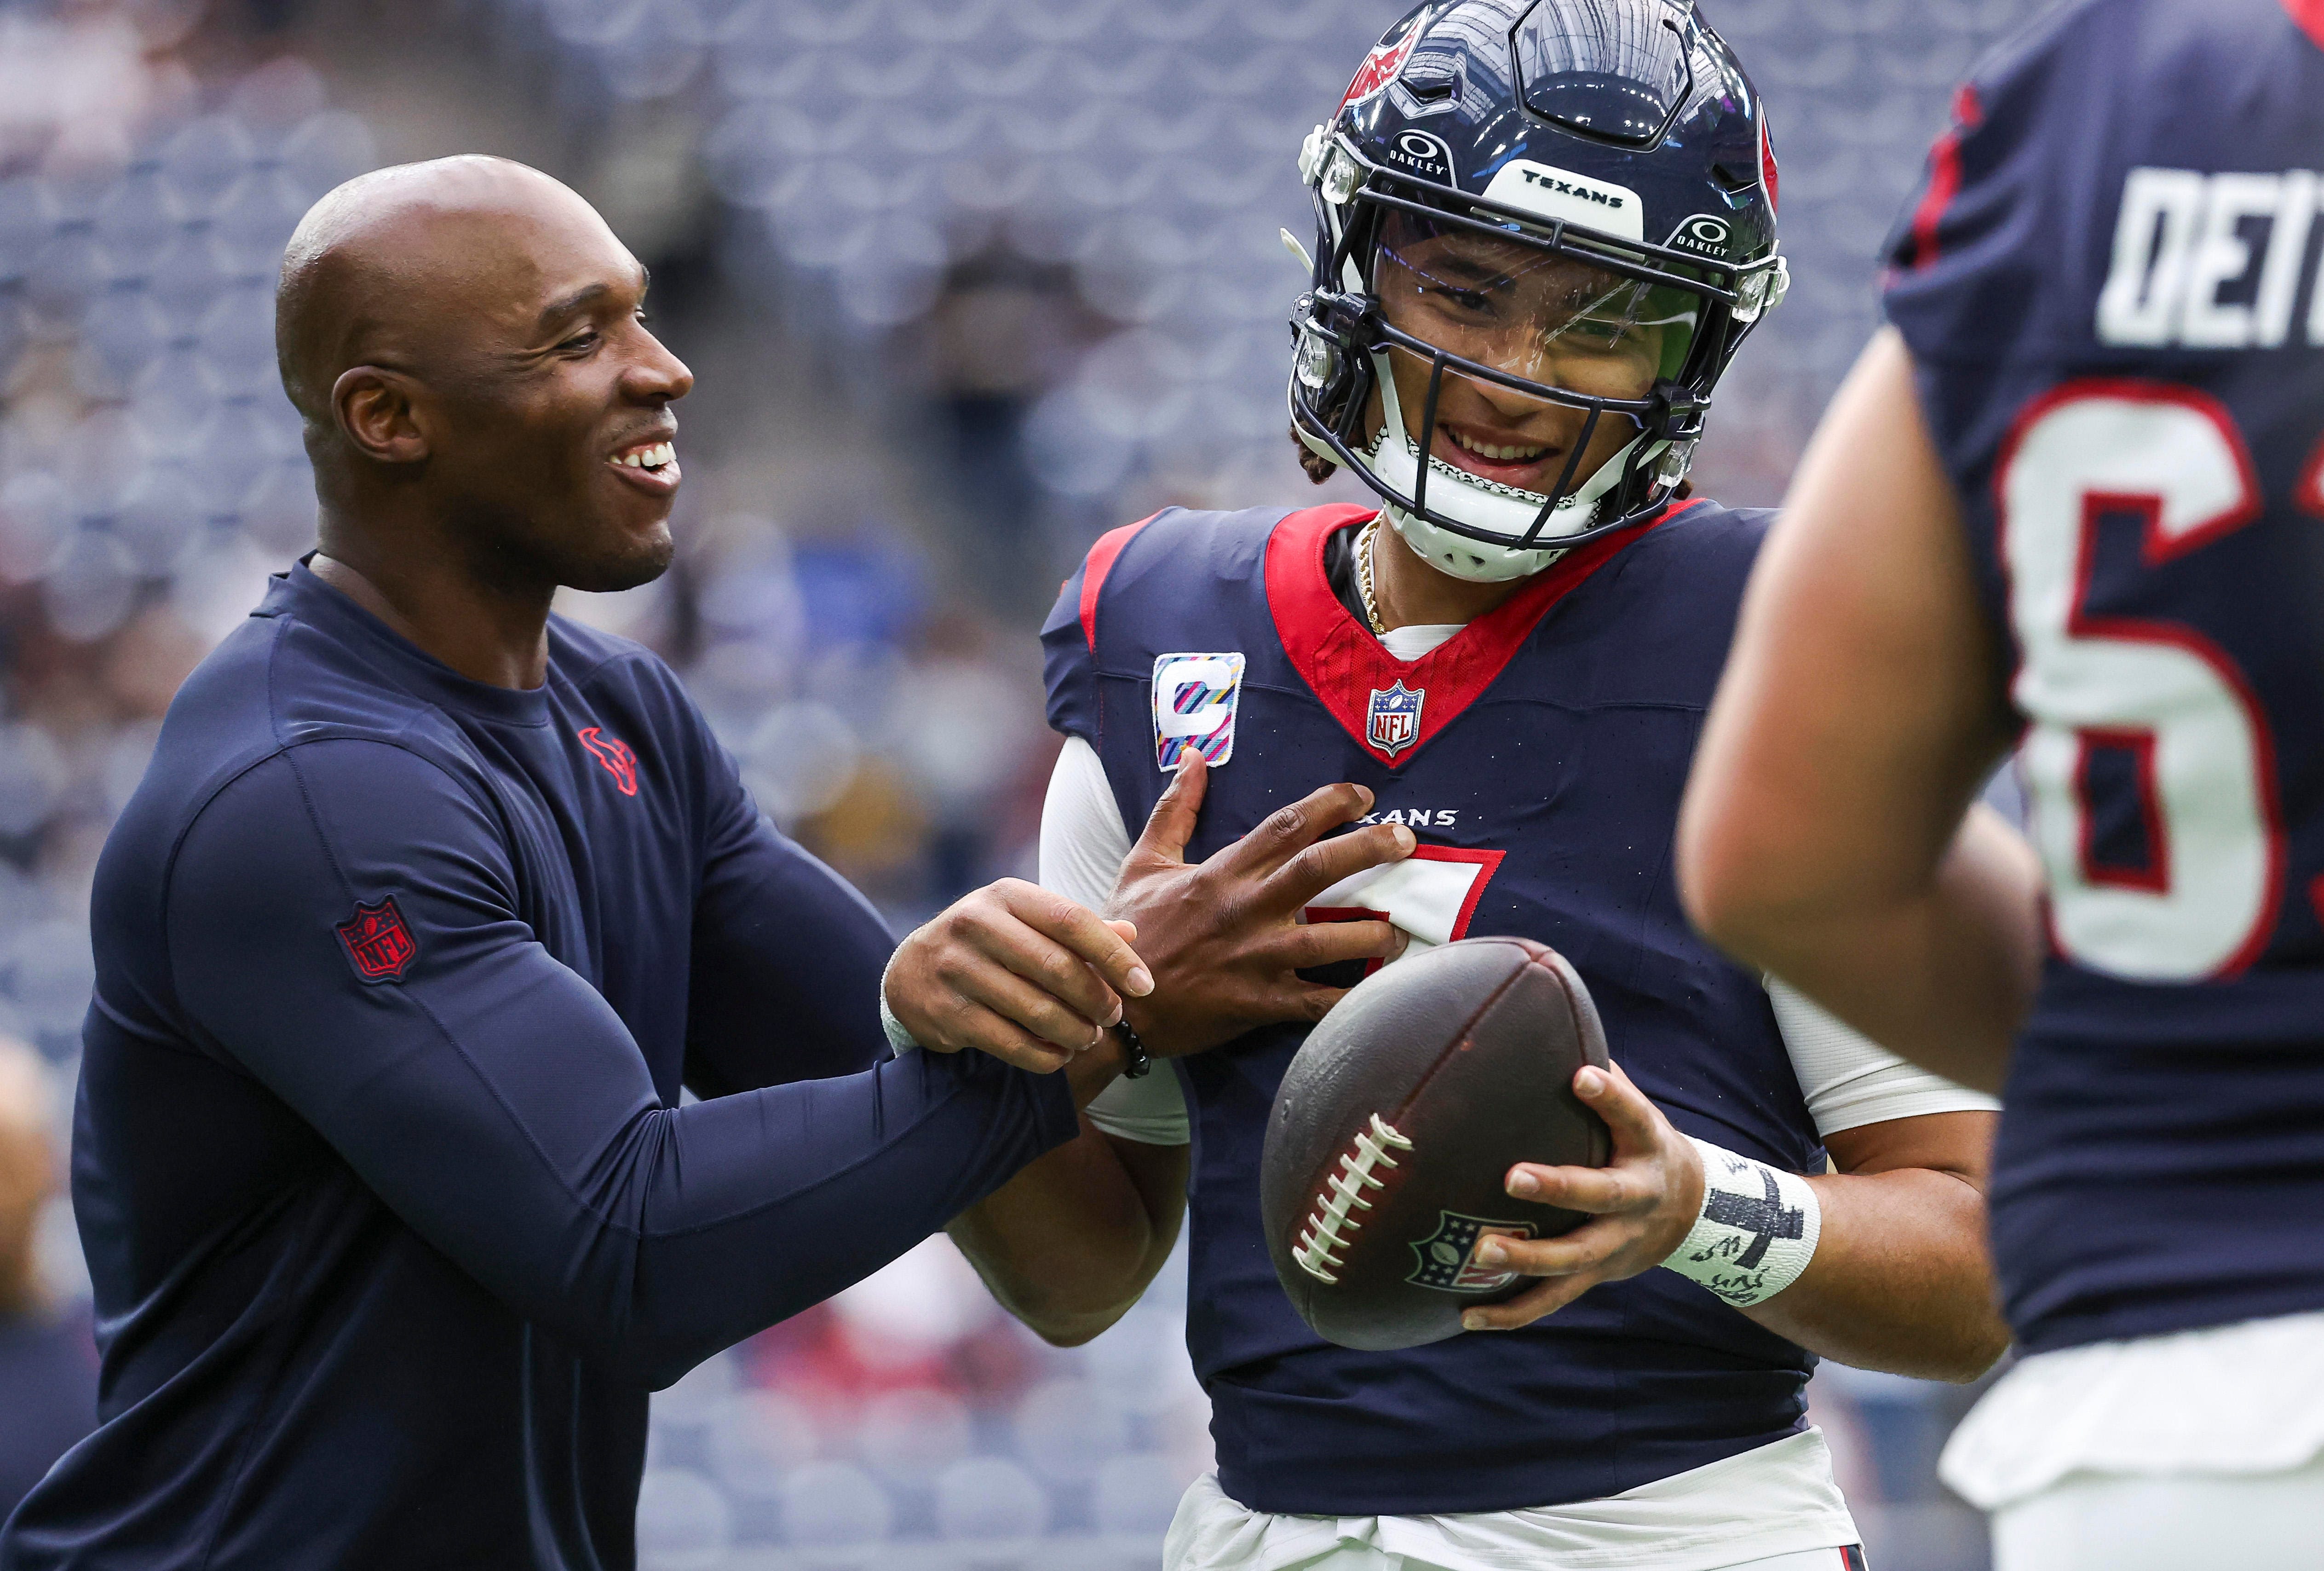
point(2159, 702)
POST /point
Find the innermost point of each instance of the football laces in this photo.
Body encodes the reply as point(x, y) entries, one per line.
point(1323, 1243)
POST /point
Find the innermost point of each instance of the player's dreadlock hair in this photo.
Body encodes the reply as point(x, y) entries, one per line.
point(1318, 467)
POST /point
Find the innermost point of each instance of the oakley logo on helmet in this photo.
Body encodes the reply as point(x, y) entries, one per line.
point(1420, 154)
point(1549, 192)
point(1705, 234)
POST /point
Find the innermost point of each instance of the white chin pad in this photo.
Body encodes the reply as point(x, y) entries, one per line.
point(1463, 557)
point(1503, 511)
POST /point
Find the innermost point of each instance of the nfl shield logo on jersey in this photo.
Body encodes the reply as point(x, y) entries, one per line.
point(1194, 699)
point(1393, 722)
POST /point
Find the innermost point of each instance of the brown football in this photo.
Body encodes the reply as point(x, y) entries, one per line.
point(1395, 1127)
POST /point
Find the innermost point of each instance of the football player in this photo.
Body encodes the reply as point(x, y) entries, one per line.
point(2067, 505)
point(1542, 229)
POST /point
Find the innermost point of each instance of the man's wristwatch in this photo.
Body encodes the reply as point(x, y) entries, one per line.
point(1141, 1062)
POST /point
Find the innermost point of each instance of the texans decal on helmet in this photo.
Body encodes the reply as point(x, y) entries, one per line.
point(1386, 59)
point(1484, 198)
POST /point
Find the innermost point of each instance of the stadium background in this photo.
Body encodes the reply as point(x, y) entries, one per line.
point(965, 282)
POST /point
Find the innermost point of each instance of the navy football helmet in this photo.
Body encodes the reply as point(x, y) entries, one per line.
point(1557, 214)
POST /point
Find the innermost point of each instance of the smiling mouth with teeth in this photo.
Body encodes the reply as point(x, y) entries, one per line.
point(1495, 454)
point(653, 458)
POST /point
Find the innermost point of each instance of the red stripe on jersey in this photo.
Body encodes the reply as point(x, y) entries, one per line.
point(2308, 494)
point(2309, 15)
point(1944, 176)
point(1345, 665)
point(1094, 571)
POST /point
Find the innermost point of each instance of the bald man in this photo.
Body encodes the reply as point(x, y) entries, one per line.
point(428, 907)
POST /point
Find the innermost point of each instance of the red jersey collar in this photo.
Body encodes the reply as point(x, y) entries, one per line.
point(1358, 680)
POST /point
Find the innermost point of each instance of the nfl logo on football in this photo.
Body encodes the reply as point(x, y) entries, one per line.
point(1393, 722)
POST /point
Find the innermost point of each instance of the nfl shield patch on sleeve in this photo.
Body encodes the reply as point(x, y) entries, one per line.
point(377, 942)
point(1195, 698)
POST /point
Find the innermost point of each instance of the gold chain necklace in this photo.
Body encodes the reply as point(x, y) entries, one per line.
point(1364, 577)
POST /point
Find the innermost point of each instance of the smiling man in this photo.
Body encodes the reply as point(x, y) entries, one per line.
point(1542, 230)
point(428, 907)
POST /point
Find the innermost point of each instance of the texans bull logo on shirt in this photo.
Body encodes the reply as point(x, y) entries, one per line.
point(621, 762)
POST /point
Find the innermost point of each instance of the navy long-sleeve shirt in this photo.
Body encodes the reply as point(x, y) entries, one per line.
point(392, 1213)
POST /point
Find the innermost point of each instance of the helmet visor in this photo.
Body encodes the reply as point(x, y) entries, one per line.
point(1528, 311)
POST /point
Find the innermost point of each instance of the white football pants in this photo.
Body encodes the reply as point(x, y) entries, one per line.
point(2167, 1521)
point(1360, 1558)
point(1212, 1532)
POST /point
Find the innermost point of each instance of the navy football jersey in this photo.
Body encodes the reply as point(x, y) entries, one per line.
point(2109, 288)
point(1538, 757)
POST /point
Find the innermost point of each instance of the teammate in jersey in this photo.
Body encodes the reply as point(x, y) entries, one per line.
point(1542, 230)
point(2069, 503)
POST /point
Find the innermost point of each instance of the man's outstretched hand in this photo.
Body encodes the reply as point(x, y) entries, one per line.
point(1016, 971)
point(1222, 938)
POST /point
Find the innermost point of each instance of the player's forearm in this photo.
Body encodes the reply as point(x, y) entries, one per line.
point(1069, 1244)
point(1900, 1281)
point(787, 962)
point(1939, 972)
point(1822, 835)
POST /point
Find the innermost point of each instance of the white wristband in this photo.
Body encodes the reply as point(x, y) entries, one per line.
point(898, 1037)
point(1756, 1232)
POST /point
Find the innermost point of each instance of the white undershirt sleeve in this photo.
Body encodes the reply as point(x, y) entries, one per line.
point(1850, 1080)
point(1083, 843)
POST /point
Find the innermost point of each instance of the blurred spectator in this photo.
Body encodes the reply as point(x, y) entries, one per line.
point(47, 1365)
point(1003, 330)
point(965, 727)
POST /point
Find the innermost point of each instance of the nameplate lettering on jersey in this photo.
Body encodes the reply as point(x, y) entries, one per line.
point(1194, 699)
point(2210, 261)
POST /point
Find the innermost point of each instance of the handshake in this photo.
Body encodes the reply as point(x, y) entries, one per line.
point(1190, 956)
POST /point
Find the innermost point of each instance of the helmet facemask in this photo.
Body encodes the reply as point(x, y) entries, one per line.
point(1442, 323)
